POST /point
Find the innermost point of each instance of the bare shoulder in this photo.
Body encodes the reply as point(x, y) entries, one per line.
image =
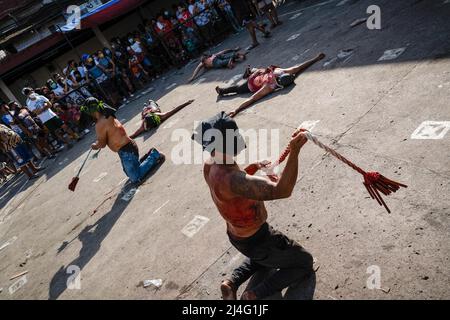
point(100, 124)
point(251, 187)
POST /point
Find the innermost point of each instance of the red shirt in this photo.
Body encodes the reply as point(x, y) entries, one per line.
point(163, 27)
point(184, 17)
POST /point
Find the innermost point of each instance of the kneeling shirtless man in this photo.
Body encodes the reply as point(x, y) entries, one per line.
point(240, 197)
point(111, 133)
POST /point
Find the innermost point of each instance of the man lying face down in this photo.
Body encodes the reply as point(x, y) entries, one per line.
point(239, 197)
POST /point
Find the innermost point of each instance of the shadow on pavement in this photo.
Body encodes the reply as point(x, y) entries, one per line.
point(91, 238)
point(93, 235)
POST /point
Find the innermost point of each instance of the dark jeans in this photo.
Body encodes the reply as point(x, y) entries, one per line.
point(135, 169)
point(269, 248)
point(239, 89)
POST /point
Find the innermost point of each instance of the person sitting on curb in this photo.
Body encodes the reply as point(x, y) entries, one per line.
point(220, 60)
point(262, 82)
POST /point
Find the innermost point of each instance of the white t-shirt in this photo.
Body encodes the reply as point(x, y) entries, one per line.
point(81, 70)
point(39, 103)
point(136, 46)
point(59, 91)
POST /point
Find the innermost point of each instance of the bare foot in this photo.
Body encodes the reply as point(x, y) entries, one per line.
point(248, 295)
point(228, 290)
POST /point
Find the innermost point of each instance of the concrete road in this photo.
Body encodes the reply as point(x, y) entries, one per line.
point(368, 109)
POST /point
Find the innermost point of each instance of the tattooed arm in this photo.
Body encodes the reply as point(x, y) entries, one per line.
point(257, 188)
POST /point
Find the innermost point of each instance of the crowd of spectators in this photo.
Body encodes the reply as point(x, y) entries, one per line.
point(51, 119)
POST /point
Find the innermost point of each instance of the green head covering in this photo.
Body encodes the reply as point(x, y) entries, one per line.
point(92, 105)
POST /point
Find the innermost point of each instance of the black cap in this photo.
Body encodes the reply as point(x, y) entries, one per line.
point(223, 125)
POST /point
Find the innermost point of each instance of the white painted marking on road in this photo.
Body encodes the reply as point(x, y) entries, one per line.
point(123, 120)
point(293, 37)
point(431, 130)
point(295, 16)
point(309, 124)
point(165, 203)
point(18, 284)
point(171, 123)
point(101, 176)
point(327, 63)
point(130, 194)
point(194, 226)
point(148, 90)
point(199, 81)
point(392, 54)
point(171, 86)
point(8, 243)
